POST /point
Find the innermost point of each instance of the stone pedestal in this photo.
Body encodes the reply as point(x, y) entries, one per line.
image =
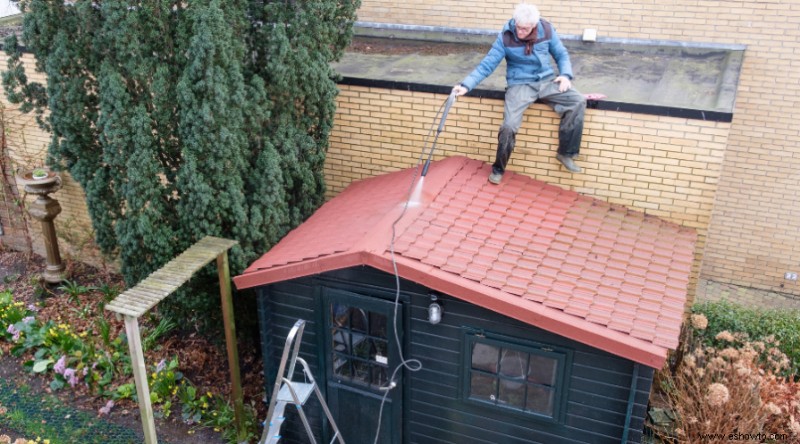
point(45, 209)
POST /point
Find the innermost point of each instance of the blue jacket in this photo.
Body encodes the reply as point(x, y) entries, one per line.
point(521, 68)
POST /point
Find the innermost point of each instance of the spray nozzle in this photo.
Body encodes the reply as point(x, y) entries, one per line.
point(447, 106)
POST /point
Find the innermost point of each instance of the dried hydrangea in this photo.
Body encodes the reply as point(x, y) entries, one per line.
point(717, 394)
point(794, 426)
point(772, 409)
point(699, 321)
point(724, 335)
point(730, 353)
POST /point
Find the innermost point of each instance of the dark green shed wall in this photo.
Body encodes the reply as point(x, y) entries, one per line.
point(598, 385)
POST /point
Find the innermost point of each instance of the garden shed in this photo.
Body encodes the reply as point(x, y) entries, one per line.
point(555, 309)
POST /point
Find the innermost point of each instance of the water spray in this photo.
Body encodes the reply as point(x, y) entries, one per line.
point(447, 105)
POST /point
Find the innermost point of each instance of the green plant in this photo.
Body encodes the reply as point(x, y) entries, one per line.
point(11, 313)
point(74, 290)
point(125, 391)
point(164, 381)
point(164, 326)
point(757, 324)
point(209, 410)
point(109, 292)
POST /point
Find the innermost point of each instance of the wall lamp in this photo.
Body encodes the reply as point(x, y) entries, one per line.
point(434, 310)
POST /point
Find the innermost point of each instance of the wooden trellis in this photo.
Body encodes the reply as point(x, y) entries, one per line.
point(136, 301)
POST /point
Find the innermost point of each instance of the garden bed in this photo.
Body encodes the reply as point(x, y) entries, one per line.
point(75, 307)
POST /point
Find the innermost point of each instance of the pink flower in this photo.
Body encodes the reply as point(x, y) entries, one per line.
point(61, 366)
point(71, 377)
point(107, 409)
point(14, 331)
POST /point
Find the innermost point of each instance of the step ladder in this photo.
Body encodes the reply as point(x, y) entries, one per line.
point(287, 392)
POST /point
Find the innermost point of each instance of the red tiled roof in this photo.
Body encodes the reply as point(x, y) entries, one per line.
point(597, 273)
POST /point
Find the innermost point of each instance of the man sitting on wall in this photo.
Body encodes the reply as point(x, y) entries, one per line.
point(526, 42)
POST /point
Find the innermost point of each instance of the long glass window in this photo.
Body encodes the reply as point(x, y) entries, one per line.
point(359, 345)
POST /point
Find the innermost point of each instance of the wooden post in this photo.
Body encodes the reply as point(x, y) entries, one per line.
point(140, 376)
point(230, 341)
point(136, 301)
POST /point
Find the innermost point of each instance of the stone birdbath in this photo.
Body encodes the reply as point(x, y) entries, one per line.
point(42, 182)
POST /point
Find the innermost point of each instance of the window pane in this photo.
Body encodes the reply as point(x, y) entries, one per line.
point(542, 370)
point(381, 350)
point(379, 376)
point(512, 394)
point(361, 346)
point(377, 325)
point(513, 364)
point(484, 357)
point(340, 315)
point(341, 367)
point(340, 340)
point(358, 320)
point(540, 400)
point(361, 370)
point(483, 387)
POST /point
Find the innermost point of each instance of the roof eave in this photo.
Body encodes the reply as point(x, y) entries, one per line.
point(535, 314)
point(296, 270)
point(538, 315)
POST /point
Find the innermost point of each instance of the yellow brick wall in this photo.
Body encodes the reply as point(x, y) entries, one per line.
point(664, 166)
point(27, 147)
point(754, 230)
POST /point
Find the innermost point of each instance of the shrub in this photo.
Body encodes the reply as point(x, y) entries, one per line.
point(758, 324)
point(731, 387)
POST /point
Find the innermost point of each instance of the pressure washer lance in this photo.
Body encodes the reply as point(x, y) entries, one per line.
point(447, 105)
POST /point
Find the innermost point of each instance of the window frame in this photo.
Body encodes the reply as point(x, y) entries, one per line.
point(561, 355)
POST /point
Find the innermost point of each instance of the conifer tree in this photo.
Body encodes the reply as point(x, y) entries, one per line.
point(186, 119)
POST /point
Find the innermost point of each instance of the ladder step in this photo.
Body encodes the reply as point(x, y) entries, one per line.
point(302, 389)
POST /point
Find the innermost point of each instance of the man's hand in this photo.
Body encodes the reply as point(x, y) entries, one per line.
point(459, 90)
point(563, 83)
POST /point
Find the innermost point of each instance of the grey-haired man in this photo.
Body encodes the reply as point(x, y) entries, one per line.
point(527, 42)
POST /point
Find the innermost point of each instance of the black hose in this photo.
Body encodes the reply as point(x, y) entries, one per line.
point(447, 105)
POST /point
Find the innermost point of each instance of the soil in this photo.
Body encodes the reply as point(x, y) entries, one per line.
point(202, 362)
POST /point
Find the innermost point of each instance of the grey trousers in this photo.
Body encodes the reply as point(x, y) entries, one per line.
point(570, 105)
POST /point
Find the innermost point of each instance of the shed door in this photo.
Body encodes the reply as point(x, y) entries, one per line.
point(360, 355)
